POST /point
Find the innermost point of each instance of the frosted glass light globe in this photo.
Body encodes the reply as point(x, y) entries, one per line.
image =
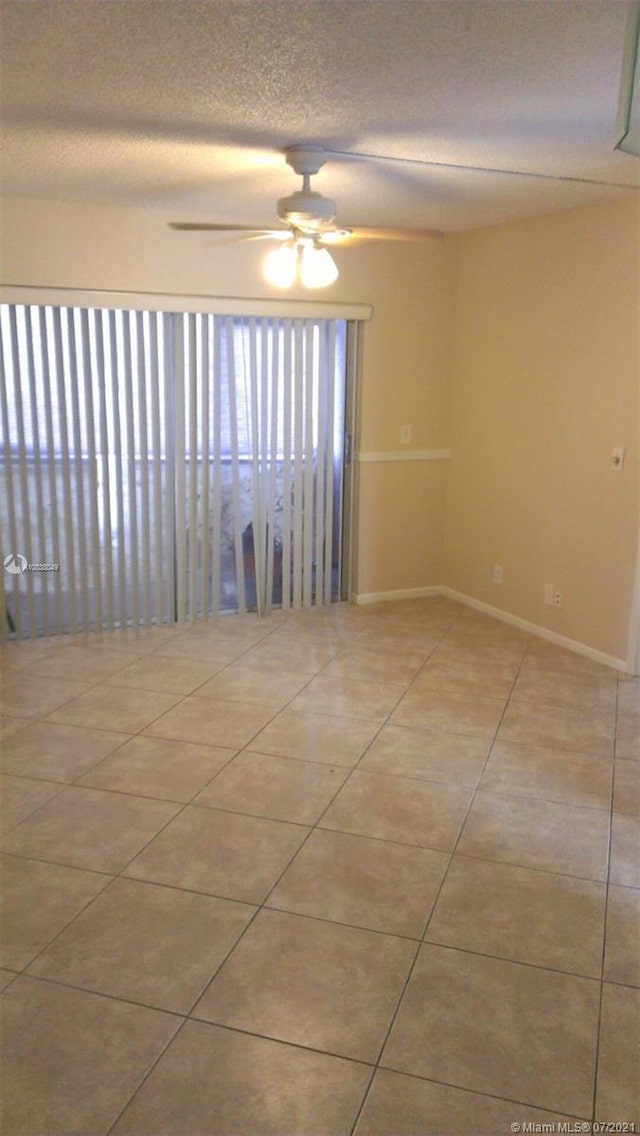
point(318, 269)
point(280, 266)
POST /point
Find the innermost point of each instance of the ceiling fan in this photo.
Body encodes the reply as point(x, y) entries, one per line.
point(308, 225)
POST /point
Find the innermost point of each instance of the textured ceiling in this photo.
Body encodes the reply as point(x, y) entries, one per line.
point(186, 106)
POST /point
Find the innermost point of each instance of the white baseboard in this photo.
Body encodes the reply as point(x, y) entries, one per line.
point(505, 616)
point(535, 629)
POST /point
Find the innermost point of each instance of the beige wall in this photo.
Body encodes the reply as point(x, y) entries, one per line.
point(405, 380)
point(516, 346)
point(545, 384)
point(405, 350)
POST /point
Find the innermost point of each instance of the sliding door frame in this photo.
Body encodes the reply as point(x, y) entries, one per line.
point(346, 561)
point(175, 305)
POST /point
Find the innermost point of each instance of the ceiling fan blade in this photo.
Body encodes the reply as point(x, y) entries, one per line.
point(396, 234)
point(203, 227)
point(334, 236)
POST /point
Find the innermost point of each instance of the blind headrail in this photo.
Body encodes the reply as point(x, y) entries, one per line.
point(165, 302)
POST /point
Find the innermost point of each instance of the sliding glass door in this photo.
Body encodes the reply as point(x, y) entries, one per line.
point(259, 461)
point(166, 466)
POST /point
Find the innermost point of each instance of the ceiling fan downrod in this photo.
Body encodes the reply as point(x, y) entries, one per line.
point(306, 208)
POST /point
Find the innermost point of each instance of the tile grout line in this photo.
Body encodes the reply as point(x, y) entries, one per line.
point(604, 925)
point(179, 812)
point(250, 923)
point(426, 927)
point(473, 1092)
point(141, 733)
point(107, 884)
point(190, 802)
point(434, 905)
point(258, 907)
point(152, 1066)
point(409, 973)
point(263, 906)
point(474, 792)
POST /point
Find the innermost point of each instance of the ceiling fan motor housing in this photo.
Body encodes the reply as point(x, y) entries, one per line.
point(306, 209)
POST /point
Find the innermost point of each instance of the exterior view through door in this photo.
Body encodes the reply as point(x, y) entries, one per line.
point(163, 466)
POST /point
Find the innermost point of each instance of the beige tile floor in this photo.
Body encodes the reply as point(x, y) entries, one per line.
point(356, 870)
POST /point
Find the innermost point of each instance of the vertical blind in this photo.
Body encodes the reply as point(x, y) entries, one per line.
point(166, 466)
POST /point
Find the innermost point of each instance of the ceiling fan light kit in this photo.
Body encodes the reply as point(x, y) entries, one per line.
point(300, 259)
point(318, 269)
point(280, 266)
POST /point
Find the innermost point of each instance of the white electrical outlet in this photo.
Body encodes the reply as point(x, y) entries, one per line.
point(557, 598)
point(405, 435)
point(497, 573)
